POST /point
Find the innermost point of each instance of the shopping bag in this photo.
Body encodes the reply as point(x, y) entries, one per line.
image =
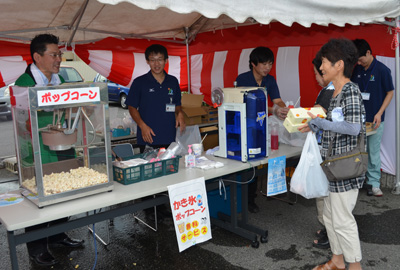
point(308, 179)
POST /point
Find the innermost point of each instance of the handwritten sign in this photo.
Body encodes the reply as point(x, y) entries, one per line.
point(68, 96)
point(190, 212)
point(276, 176)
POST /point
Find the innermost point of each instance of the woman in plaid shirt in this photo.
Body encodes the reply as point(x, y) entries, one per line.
point(338, 59)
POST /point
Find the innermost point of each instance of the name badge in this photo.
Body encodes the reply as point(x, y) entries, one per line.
point(170, 107)
point(337, 114)
point(365, 96)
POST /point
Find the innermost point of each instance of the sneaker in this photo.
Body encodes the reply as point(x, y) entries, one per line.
point(377, 192)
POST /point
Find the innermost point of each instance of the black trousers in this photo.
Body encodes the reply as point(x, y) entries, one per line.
point(40, 246)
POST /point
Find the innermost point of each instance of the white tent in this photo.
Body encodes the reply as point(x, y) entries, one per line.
point(180, 21)
point(77, 21)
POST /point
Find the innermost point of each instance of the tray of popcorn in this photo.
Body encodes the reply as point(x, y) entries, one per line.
point(297, 117)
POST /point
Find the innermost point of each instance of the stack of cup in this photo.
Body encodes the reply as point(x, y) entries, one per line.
point(197, 149)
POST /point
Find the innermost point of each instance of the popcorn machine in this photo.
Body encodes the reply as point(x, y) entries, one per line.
point(242, 122)
point(62, 141)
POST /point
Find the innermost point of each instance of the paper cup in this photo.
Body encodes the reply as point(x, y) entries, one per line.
point(197, 149)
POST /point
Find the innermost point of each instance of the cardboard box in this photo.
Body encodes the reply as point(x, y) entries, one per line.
point(192, 109)
point(211, 116)
point(212, 138)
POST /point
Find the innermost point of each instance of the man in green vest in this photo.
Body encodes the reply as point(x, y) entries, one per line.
point(43, 71)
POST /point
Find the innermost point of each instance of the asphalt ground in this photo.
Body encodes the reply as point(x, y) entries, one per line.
point(291, 229)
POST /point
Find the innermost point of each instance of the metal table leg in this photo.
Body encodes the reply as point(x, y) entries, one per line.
point(13, 250)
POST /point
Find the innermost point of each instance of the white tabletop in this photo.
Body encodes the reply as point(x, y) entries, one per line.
point(26, 214)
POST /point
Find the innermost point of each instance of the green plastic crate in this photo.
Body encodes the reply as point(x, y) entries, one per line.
point(146, 171)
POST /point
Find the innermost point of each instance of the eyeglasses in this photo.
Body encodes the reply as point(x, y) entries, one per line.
point(158, 60)
point(54, 55)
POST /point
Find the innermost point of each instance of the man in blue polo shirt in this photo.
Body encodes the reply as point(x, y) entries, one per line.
point(154, 102)
point(260, 63)
point(375, 82)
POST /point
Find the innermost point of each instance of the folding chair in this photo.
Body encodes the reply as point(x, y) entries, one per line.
point(123, 150)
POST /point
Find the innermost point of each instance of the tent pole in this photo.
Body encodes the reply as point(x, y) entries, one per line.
point(396, 189)
point(78, 16)
point(187, 56)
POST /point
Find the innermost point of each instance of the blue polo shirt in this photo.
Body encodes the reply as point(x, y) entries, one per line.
point(377, 81)
point(150, 98)
point(247, 79)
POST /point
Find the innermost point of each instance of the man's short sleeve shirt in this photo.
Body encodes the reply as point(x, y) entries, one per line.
point(247, 79)
point(377, 81)
point(150, 98)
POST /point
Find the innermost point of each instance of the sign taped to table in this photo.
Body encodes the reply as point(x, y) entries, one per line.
point(276, 182)
point(190, 212)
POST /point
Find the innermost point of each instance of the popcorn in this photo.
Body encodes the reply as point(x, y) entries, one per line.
point(65, 181)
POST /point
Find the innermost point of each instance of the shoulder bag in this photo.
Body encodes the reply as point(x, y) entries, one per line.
point(347, 165)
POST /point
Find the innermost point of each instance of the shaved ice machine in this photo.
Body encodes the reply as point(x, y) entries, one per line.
point(242, 122)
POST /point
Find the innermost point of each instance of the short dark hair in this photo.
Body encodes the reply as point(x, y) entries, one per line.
point(362, 47)
point(260, 55)
point(39, 43)
point(156, 48)
point(317, 62)
point(341, 49)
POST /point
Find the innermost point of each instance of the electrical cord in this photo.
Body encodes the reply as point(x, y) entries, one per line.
point(95, 245)
point(222, 184)
point(243, 183)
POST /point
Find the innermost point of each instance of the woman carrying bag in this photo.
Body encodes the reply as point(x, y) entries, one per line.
point(341, 128)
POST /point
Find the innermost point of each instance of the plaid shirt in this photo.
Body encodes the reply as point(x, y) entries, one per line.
point(353, 112)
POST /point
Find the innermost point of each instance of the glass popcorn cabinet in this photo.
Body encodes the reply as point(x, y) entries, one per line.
point(62, 141)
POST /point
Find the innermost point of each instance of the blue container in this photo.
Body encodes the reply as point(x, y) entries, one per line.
point(118, 132)
point(217, 202)
point(233, 135)
point(256, 118)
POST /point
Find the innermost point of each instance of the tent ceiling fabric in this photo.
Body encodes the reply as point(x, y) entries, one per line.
point(21, 20)
point(287, 12)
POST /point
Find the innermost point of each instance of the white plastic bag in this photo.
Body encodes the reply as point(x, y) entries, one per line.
point(309, 180)
point(190, 136)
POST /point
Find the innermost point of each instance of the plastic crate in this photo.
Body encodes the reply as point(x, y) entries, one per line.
point(146, 171)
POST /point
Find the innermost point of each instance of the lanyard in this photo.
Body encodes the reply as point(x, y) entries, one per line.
point(369, 79)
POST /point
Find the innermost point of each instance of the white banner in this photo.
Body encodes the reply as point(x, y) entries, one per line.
point(68, 96)
point(190, 212)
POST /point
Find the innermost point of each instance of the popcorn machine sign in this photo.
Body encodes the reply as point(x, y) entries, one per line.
point(190, 212)
point(68, 96)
